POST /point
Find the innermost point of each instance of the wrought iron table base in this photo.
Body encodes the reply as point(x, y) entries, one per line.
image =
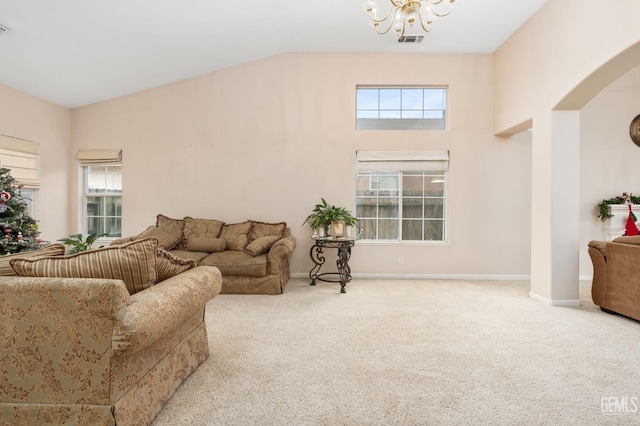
point(343, 276)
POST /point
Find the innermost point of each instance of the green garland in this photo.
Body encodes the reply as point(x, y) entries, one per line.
point(603, 207)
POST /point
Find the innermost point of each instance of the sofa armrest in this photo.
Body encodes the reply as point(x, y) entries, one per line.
point(55, 336)
point(159, 309)
point(599, 282)
point(279, 254)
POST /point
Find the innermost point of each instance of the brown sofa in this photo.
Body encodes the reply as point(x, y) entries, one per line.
point(616, 275)
point(99, 351)
point(252, 256)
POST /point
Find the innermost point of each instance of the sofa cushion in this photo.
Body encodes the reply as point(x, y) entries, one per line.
point(55, 249)
point(201, 228)
point(122, 240)
point(210, 245)
point(231, 262)
point(236, 235)
point(264, 229)
point(628, 239)
point(168, 265)
point(166, 240)
point(172, 226)
point(134, 263)
point(186, 254)
point(261, 245)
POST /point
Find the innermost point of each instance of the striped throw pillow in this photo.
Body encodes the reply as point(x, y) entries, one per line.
point(166, 240)
point(134, 263)
point(169, 265)
point(55, 249)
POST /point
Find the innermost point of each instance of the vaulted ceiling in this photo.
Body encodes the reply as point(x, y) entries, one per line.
point(77, 52)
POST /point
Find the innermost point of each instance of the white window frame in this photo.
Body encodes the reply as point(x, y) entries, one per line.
point(398, 163)
point(407, 115)
point(86, 193)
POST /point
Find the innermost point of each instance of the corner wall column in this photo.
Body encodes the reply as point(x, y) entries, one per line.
point(555, 208)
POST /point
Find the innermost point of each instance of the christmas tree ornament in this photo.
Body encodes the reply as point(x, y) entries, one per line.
point(5, 196)
point(3, 207)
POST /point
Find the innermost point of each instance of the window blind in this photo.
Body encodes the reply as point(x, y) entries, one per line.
point(21, 157)
point(99, 156)
point(402, 160)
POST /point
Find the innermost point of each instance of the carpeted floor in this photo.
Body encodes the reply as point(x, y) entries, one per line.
point(411, 352)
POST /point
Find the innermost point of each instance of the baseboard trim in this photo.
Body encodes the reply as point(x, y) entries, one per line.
point(473, 277)
point(551, 302)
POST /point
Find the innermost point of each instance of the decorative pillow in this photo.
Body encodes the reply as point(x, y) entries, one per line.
point(172, 226)
point(200, 228)
point(263, 229)
point(261, 245)
point(168, 265)
point(628, 239)
point(236, 235)
point(134, 263)
point(122, 240)
point(166, 240)
point(55, 249)
point(209, 245)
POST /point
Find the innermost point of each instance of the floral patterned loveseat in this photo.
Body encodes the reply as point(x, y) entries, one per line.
point(90, 351)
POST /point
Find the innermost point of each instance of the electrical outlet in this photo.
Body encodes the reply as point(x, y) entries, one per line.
point(400, 260)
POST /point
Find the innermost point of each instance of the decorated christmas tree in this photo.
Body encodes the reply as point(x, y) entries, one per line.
point(18, 231)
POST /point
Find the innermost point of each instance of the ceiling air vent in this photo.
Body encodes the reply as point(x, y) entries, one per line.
point(3, 29)
point(410, 39)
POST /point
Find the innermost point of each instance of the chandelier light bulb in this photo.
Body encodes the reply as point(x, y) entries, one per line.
point(370, 7)
point(398, 26)
point(428, 12)
point(411, 18)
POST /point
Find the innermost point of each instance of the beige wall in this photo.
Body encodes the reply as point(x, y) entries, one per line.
point(560, 47)
point(27, 117)
point(609, 159)
point(267, 139)
point(559, 59)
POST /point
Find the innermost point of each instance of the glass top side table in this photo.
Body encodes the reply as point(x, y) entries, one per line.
point(343, 245)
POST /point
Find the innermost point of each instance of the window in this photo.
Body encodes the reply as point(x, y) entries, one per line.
point(401, 108)
point(401, 196)
point(103, 199)
point(30, 195)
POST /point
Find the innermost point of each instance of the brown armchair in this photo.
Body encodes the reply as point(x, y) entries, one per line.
point(616, 275)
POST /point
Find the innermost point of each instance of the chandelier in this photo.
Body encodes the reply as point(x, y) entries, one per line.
point(406, 14)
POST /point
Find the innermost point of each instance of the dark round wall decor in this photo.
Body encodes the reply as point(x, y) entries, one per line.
point(634, 130)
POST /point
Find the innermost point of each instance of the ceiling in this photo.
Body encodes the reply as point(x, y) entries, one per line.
point(77, 52)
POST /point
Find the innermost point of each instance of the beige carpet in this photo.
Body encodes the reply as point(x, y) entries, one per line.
point(410, 352)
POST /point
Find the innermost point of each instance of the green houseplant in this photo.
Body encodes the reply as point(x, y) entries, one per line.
point(78, 244)
point(323, 214)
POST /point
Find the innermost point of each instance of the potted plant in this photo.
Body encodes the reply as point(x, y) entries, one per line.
point(324, 215)
point(78, 244)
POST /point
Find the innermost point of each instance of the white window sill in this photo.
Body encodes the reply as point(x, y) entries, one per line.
point(404, 243)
